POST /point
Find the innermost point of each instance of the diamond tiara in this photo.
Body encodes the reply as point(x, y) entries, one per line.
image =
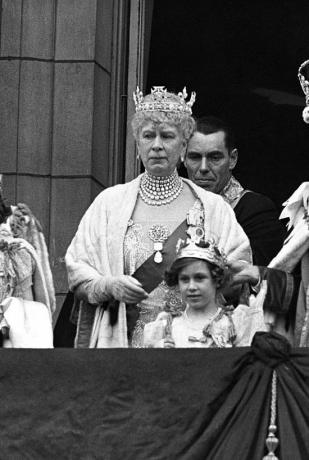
point(160, 101)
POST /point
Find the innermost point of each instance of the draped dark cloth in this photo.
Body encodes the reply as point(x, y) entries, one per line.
point(136, 404)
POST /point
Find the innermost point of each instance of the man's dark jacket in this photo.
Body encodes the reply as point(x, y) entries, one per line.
point(258, 216)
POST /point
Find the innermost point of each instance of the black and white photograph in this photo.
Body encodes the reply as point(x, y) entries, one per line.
point(154, 229)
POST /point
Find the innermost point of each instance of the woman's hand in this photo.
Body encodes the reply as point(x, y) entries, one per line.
point(243, 272)
point(155, 330)
point(125, 289)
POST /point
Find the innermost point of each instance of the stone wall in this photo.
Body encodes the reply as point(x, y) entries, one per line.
point(58, 99)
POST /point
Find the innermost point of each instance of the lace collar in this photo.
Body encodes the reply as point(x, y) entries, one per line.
point(232, 191)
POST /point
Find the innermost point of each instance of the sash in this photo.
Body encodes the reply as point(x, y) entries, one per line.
point(149, 274)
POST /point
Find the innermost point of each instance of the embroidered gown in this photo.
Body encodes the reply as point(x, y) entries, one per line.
point(137, 248)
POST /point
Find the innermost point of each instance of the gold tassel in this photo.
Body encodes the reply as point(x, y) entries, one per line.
point(272, 441)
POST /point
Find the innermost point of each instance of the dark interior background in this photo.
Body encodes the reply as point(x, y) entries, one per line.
point(242, 59)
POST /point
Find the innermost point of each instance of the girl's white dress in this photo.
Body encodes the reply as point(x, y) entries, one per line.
point(228, 328)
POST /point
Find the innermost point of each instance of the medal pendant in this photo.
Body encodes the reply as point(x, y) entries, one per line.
point(158, 257)
point(158, 234)
point(158, 246)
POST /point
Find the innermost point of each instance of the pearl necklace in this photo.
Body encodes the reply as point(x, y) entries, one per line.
point(160, 190)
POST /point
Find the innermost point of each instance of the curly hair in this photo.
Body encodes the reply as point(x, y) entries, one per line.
point(184, 122)
point(219, 275)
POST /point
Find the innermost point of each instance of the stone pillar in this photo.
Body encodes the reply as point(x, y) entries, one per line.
point(57, 102)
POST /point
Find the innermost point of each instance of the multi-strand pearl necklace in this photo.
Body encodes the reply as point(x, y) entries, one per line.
point(160, 190)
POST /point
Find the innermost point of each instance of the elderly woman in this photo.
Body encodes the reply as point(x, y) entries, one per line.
point(127, 237)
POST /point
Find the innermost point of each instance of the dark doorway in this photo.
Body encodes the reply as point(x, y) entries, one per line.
point(242, 58)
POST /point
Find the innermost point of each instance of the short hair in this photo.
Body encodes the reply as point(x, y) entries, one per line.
point(209, 125)
point(182, 121)
point(219, 275)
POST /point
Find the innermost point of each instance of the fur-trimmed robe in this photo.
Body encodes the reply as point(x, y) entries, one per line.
point(96, 251)
point(294, 251)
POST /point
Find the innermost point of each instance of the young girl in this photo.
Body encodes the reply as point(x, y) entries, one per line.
point(201, 271)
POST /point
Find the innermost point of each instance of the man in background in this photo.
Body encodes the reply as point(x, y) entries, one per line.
point(210, 160)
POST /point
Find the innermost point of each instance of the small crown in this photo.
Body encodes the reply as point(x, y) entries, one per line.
point(159, 101)
point(205, 250)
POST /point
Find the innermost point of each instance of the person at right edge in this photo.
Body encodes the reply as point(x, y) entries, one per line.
point(288, 273)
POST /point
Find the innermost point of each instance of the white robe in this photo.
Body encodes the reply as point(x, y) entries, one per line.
point(96, 250)
point(295, 250)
